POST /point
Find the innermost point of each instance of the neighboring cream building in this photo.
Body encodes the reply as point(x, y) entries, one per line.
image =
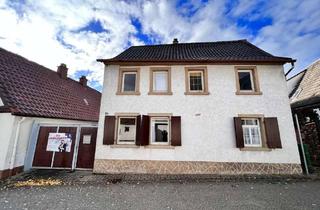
point(36, 101)
point(196, 108)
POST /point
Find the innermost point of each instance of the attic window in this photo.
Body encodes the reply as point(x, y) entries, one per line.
point(86, 102)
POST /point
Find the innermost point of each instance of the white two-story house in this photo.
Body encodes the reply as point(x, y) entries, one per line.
point(196, 108)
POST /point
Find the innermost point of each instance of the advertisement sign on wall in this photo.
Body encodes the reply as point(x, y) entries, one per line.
point(59, 142)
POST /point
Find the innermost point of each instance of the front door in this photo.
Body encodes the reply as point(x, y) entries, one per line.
point(87, 147)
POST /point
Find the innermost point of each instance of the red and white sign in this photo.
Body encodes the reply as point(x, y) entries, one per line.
point(59, 142)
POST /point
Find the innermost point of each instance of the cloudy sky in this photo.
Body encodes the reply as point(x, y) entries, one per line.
point(78, 32)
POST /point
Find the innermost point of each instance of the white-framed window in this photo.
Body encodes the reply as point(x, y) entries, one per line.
point(129, 80)
point(160, 81)
point(195, 81)
point(251, 132)
point(160, 130)
point(126, 130)
point(246, 80)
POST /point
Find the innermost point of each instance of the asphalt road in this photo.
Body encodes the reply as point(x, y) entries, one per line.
point(165, 195)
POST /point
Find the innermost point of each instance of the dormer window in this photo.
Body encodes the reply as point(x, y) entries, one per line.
point(128, 83)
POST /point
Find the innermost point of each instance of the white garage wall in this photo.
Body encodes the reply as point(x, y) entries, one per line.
point(207, 120)
point(7, 124)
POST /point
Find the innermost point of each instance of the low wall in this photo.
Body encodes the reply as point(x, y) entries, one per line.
point(192, 167)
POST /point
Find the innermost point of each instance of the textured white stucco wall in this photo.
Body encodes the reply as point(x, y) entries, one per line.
point(206, 120)
point(8, 131)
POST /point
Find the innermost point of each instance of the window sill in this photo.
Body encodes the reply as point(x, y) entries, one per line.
point(124, 146)
point(196, 93)
point(159, 147)
point(160, 93)
point(127, 93)
point(265, 149)
point(248, 93)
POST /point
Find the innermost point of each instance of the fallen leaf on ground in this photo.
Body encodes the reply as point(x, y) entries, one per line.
point(38, 182)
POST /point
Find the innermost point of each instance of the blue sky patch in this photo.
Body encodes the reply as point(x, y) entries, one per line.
point(94, 26)
point(140, 35)
point(92, 83)
point(18, 6)
point(187, 8)
point(80, 73)
point(254, 26)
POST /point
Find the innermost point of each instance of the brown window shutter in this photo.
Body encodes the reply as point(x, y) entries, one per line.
point(176, 131)
point(109, 127)
point(272, 132)
point(239, 132)
point(138, 136)
point(144, 130)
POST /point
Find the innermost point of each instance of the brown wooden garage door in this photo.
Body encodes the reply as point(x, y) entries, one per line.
point(44, 158)
point(85, 152)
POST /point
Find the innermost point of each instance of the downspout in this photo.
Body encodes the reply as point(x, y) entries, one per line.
point(15, 144)
point(292, 67)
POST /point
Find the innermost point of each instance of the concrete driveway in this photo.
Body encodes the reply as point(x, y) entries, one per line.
point(81, 190)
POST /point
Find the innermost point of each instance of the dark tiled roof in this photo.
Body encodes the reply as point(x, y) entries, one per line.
point(29, 89)
point(210, 52)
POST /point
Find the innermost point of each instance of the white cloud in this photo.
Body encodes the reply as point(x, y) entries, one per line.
point(48, 31)
point(34, 32)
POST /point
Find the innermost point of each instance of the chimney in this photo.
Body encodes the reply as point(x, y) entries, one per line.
point(62, 71)
point(83, 80)
point(175, 41)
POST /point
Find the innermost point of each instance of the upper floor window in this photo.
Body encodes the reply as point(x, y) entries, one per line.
point(247, 81)
point(160, 81)
point(128, 81)
point(196, 81)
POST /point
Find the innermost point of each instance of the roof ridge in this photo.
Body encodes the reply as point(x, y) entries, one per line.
point(186, 43)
